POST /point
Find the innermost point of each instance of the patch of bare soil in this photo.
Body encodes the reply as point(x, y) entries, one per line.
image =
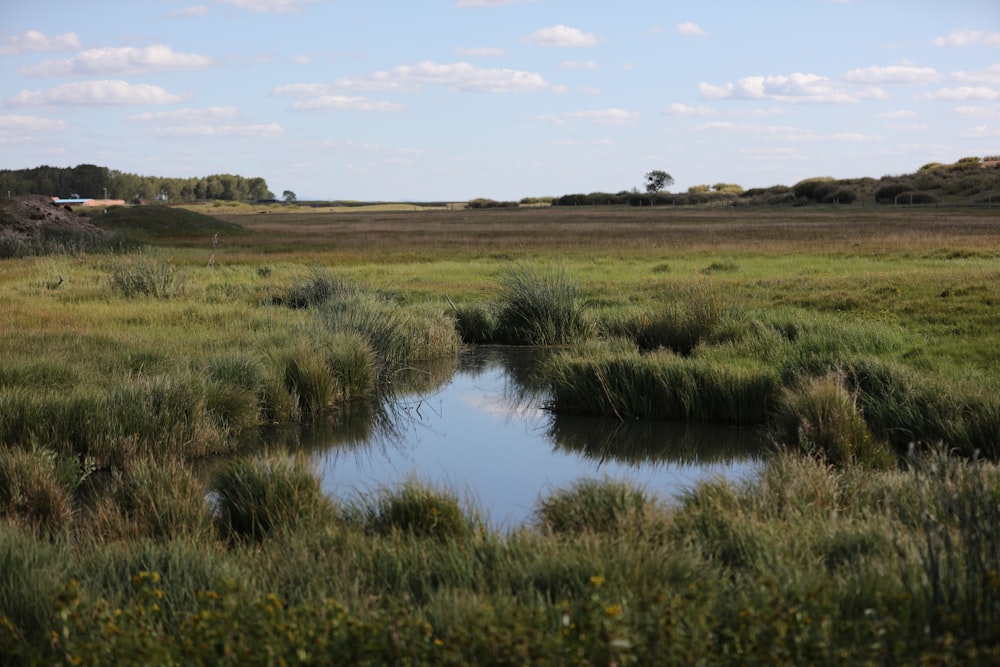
point(30, 217)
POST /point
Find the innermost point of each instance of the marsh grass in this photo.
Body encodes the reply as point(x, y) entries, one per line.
point(34, 493)
point(823, 417)
point(307, 377)
point(256, 499)
point(158, 500)
point(661, 385)
point(419, 509)
point(142, 275)
point(538, 307)
point(595, 505)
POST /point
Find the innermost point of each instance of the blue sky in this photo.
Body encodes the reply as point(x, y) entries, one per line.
point(456, 99)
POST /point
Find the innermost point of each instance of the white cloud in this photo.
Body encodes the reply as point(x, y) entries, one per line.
point(343, 103)
point(194, 10)
point(590, 90)
point(784, 132)
point(34, 40)
point(893, 74)
point(481, 52)
point(902, 113)
point(797, 87)
point(277, 6)
point(689, 28)
point(19, 123)
point(908, 127)
point(462, 4)
point(977, 111)
point(578, 64)
point(222, 122)
point(678, 109)
point(95, 93)
point(119, 61)
point(460, 76)
point(962, 94)
point(967, 37)
point(981, 132)
point(562, 36)
point(990, 76)
point(302, 59)
point(599, 116)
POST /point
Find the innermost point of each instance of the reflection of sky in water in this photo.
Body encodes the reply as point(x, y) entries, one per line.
point(501, 452)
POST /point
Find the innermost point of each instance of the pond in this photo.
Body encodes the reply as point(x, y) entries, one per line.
point(480, 428)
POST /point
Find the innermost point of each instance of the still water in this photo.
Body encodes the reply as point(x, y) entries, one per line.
point(480, 429)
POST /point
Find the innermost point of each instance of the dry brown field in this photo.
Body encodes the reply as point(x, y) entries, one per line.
point(440, 233)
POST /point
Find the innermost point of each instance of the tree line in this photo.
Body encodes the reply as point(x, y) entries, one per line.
point(92, 181)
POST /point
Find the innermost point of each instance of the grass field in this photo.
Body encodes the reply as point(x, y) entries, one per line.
point(851, 331)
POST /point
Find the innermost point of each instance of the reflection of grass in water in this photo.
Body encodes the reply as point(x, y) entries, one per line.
point(651, 441)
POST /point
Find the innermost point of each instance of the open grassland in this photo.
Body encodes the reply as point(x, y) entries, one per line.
point(848, 332)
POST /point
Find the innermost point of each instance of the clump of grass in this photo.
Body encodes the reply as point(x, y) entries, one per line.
point(235, 389)
point(660, 385)
point(307, 377)
point(319, 287)
point(822, 416)
point(353, 365)
point(418, 509)
point(256, 499)
point(695, 315)
point(157, 500)
point(593, 505)
point(32, 493)
point(140, 275)
point(537, 307)
point(475, 323)
point(954, 542)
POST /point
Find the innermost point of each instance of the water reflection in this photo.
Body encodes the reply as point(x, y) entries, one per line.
point(476, 424)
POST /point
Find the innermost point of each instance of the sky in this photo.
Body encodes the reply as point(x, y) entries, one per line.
point(427, 100)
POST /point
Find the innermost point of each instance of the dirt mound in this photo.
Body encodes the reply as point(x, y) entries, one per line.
point(30, 217)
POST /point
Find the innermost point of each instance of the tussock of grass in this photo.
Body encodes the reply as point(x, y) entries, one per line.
point(419, 509)
point(538, 307)
point(592, 505)
point(141, 275)
point(256, 499)
point(33, 494)
point(823, 417)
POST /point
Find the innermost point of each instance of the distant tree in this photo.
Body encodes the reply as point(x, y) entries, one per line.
point(656, 180)
point(288, 196)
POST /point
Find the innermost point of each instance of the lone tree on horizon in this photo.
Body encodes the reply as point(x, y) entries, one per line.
point(656, 180)
point(288, 196)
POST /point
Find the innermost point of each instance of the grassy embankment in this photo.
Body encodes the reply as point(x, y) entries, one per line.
point(853, 332)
